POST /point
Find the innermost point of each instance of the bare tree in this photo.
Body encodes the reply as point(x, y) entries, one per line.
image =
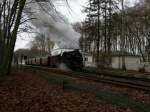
point(43, 44)
point(10, 18)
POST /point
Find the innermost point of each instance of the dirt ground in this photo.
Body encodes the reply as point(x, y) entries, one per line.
point(24, 92)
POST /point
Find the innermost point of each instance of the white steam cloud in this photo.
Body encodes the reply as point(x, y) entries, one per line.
point(51, 23)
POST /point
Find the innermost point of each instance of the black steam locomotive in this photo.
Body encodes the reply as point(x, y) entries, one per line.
point(72, 60)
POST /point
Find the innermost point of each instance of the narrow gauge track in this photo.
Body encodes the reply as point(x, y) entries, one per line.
point(135, 83)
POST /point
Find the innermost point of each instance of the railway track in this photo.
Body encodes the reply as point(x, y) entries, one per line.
point(129, 82)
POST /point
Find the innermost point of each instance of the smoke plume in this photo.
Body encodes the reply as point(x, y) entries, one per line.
point(53, 24)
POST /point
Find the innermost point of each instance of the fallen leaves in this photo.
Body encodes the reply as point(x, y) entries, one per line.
point(24, 92)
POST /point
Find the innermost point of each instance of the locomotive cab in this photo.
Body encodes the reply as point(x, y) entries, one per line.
point(73, 60)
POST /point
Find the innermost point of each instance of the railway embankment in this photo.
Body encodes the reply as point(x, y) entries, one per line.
point(136, 100)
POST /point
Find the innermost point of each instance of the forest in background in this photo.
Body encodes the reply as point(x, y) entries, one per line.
point(111, 27)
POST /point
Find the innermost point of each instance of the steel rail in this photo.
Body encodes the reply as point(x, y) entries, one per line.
point(120, 81)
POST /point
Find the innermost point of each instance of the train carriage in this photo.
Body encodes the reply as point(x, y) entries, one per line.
point(54, 61)
point(38, 61)
point(33, 61)
point(44, 61)
point(73, 60)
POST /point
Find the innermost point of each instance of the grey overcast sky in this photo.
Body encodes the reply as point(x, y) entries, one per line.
point(73, 14)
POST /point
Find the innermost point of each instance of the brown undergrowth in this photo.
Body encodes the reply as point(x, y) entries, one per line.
point(24, 92)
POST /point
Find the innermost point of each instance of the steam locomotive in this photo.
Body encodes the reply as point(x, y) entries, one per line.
point(72, 60)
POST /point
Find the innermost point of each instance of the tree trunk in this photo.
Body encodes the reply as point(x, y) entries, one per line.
point(123, 38)
point(98, 36)
point(8, 49)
